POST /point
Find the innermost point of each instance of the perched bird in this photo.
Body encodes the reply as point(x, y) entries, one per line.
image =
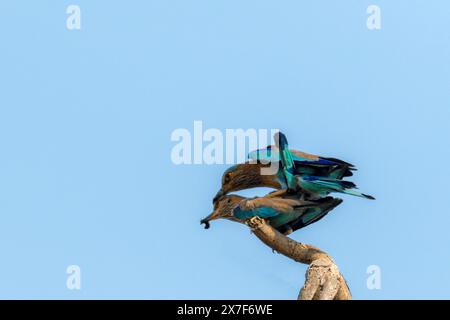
point(283, 211)
point(250, 175)
point(315, 186)
point(306, 164)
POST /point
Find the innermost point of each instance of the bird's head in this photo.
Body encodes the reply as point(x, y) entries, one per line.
point(223, 209)
point(244, 176)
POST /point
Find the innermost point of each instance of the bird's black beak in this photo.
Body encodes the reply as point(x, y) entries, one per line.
point(218, 195)
point(213, 216)
point(205, 222)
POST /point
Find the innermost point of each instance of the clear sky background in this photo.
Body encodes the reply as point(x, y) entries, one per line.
point(86, 116)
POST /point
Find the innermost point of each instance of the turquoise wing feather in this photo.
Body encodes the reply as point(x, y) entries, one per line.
point(263, 212)
point(287, 163)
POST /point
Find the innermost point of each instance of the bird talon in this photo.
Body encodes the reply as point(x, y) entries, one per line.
point(254, 222)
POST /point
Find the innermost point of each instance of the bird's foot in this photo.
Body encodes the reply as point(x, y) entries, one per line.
point(255, 222)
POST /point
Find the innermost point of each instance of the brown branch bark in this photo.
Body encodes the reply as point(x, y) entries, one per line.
point(323, 278)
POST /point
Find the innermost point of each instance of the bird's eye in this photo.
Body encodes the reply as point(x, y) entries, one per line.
point(227, 178)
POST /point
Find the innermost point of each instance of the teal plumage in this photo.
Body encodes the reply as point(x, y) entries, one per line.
point(285, 212)
point(317, 186)
point(305, 163)
point(322, 186)
point(305, 181)
point(292, 218)
point(249, 174)
point(287, 169)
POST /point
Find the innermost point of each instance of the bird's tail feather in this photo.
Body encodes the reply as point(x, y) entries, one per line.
point(336, 185)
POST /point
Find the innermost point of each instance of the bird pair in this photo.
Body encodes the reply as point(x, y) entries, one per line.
point(304, 182)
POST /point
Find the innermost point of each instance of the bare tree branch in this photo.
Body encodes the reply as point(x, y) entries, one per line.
point(323, 278)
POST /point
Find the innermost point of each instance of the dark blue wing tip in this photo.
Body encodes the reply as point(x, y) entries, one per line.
point(280, 139)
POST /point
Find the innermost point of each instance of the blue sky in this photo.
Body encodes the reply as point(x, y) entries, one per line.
point(86, 116)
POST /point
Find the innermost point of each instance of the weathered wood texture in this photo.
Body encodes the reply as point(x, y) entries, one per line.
point(323, 278)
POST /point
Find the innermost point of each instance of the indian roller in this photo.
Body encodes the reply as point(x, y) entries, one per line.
point(318, 175)
point(284, 211)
